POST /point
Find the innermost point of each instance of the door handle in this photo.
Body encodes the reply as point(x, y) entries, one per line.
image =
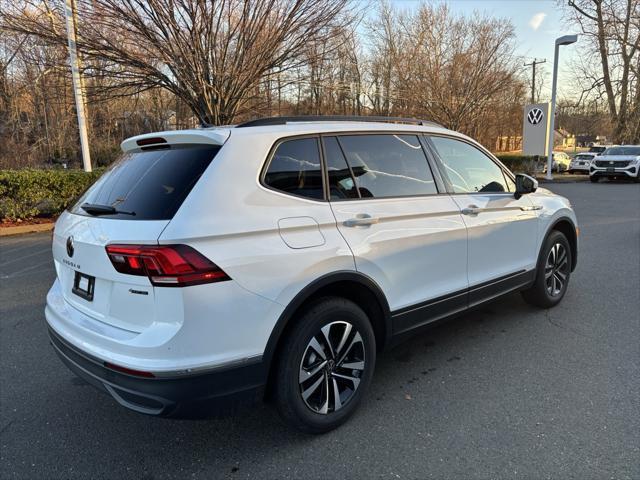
point(471, 210)
point(361, 220)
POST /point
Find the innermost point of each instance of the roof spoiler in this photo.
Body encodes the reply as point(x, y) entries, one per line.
point(152, 141)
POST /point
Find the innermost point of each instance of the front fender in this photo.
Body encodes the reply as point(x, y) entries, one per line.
point(555, 210)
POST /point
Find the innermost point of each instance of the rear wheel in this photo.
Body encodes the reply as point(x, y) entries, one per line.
point(552, 273)
point(325, 365)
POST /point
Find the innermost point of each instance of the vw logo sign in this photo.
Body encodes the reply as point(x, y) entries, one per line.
point(534, 116)
point(70, 246)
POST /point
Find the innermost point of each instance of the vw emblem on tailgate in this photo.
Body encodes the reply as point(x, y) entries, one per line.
point(535, 116)
point(70, 246)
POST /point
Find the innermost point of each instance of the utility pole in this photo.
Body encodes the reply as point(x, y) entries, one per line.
point(70, 14)
point(533, 78)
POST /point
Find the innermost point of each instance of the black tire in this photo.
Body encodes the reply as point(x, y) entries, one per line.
point(296, 358)
point(594, 179)
point(543, 293)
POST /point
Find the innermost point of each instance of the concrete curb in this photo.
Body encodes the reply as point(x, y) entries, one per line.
point(22, 229)
point(572, 179)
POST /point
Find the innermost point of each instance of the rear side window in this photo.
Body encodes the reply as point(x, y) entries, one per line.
point(342, 185)
point(467, 169)
point(152, 184)
point(388, 165)
point(295, 169)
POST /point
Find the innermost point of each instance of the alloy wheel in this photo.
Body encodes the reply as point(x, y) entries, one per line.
point(556, 270)
point(331, 367)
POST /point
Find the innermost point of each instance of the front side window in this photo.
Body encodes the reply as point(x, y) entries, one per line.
point(467, 169)
point(295, 169)
point(388, 165)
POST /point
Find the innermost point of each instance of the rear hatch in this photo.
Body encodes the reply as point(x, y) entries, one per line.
point(130, 204)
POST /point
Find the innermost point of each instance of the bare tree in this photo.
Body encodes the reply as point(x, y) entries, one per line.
point(458, 71)
point(612, 29)
point(211, 54)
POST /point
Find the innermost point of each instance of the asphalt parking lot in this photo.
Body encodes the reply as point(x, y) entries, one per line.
point(504, 392)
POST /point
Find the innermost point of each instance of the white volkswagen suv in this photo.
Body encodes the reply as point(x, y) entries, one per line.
point(621, 161)
point(274, 259)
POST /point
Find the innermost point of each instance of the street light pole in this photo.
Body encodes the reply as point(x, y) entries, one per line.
point(77, 84)
point(565, 40)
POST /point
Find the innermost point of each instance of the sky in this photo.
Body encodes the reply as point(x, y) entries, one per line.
point(537, 24)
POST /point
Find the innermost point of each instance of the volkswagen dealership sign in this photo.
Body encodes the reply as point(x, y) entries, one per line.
point(535, 116)
point(536, 129)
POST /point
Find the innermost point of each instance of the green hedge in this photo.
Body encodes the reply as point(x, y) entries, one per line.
point(518, 163)
point(29, 193)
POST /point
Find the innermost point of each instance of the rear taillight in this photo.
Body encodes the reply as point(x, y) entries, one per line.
point(165, 265)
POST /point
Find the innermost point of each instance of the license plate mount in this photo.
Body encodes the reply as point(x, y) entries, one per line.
point(84, 286)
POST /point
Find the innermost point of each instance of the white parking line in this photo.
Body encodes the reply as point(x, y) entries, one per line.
point(4, 264)
point(5, 276)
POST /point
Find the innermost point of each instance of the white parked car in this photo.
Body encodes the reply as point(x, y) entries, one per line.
point(560, 162)
point(581, 162)
point(621, 161)
point(276, 258)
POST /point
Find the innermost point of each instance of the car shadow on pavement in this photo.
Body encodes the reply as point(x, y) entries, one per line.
point(256, 434)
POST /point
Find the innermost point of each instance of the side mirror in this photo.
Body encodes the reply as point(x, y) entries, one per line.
point(525, 184)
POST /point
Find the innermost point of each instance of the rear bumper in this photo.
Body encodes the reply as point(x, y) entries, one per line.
point(214, 392)
point(579, 168)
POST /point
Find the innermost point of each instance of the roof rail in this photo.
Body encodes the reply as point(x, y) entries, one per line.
point(261, 122)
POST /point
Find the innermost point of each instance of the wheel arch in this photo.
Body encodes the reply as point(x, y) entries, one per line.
point(351, 285)
point(567, 227)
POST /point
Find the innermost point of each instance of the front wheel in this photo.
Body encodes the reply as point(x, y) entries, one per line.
point(325, 365)
point(552, 273)
point(594, 179)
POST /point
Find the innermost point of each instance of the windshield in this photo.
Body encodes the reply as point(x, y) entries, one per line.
point(584, 157)
point(622, 151)
point(148, 185)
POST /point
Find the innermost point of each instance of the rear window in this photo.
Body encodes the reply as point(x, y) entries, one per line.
point(152, 184)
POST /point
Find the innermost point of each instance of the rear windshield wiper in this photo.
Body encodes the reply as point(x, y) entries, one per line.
point(97, 209)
